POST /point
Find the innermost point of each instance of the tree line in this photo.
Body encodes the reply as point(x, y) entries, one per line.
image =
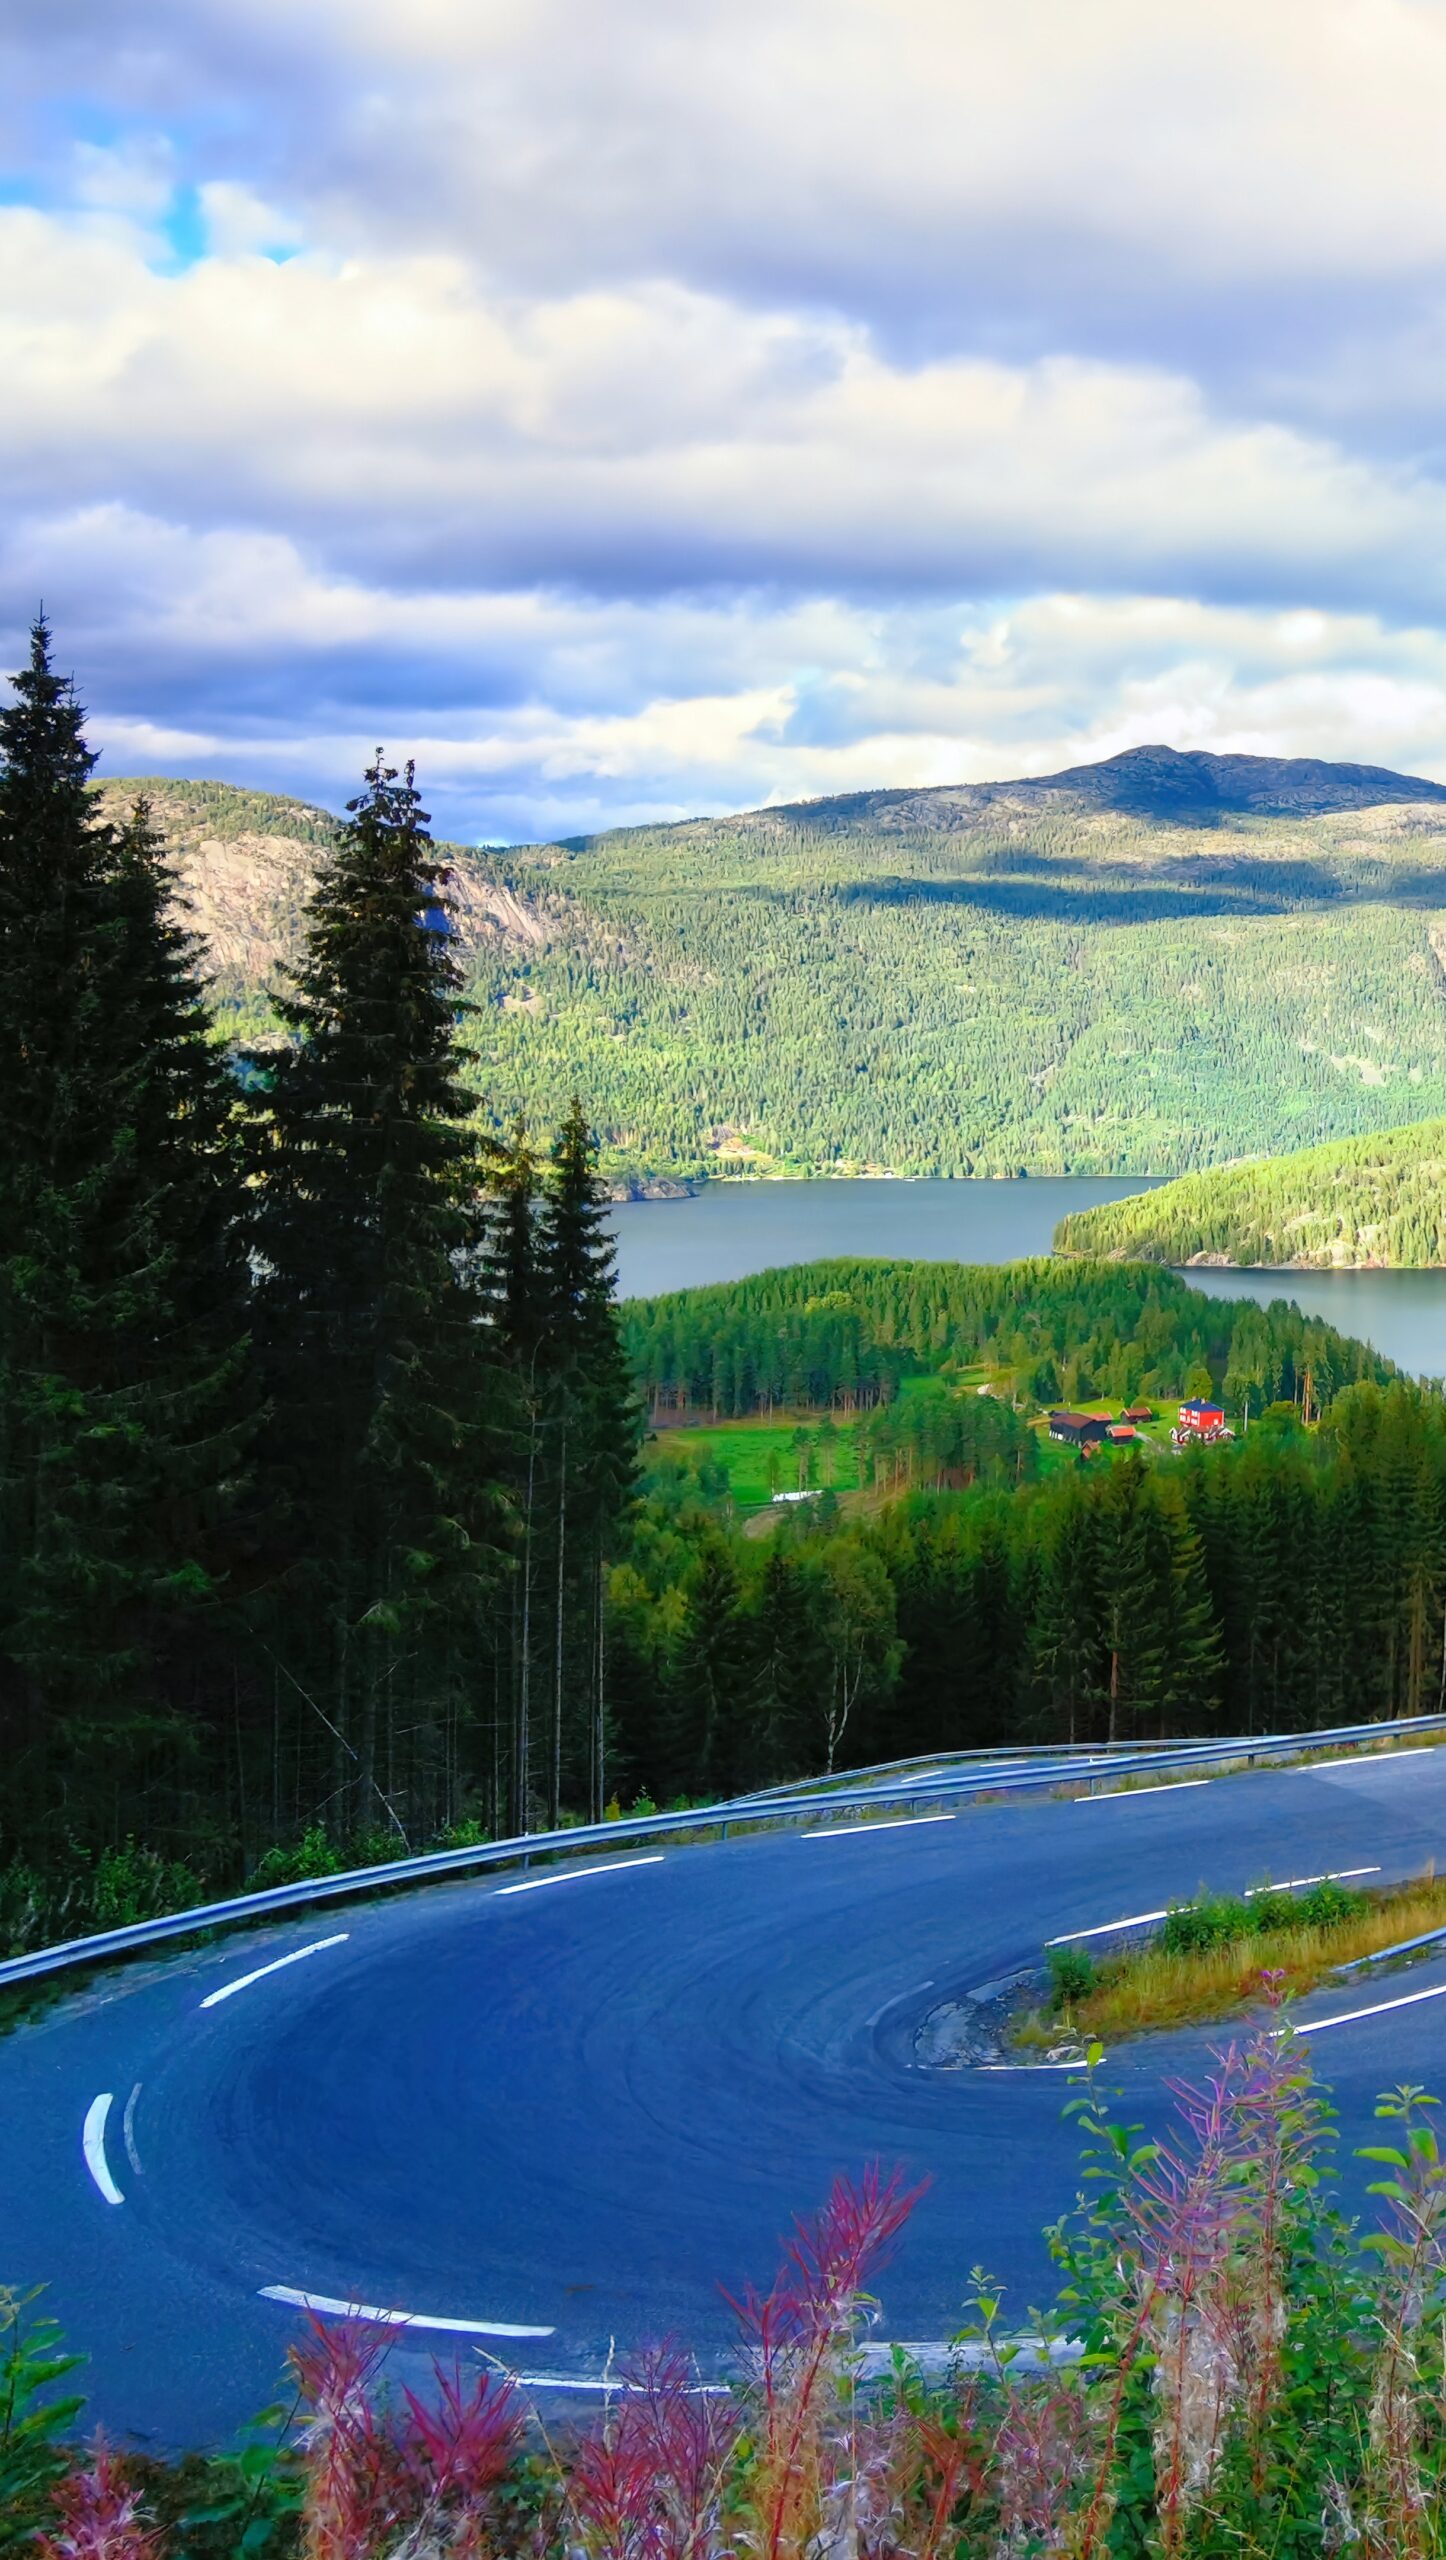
point(1292, 1580)
point(315, 1429)
point(848, 1333)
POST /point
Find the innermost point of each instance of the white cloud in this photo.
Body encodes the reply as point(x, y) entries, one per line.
point(540, 712)
point(654, 439)
point(645, 408)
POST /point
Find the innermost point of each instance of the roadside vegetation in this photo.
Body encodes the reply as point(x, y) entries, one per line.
point(1207, 1961)
point(1232, 2371)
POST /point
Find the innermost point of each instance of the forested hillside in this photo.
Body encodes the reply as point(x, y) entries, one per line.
point(1380, 1199)
point(1149, 965)
point(847, 1334)
point(1289, 1579)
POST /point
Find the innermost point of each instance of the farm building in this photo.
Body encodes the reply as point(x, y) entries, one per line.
point(1118, 1431)
point(1198, 1415)
point(1077, 1430)
point(1138, 1413)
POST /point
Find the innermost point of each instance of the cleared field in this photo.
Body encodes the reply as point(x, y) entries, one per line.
point(765, 1457)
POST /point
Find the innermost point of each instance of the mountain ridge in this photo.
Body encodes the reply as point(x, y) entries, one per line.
point(1152, 780)
point(1116, 974)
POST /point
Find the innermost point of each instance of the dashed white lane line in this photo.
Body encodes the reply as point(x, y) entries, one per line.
point(861, 1830)
point(1131, 1920)
point(1143, 1795)
point(1288, 1884)
point(607, 2384)
point(92, 2143)
point(399, 2319)
point(1348, 2017)
point(1360, 1760)
point(577, 1875)
point(1139, 1919)
point(244, 1981)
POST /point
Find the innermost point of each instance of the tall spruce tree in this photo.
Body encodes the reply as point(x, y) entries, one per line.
point(512, 1267)
point(593, 1450)
point(122, 1280)
point(378, 1358)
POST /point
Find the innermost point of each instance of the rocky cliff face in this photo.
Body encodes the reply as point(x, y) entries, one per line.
point(246, 862)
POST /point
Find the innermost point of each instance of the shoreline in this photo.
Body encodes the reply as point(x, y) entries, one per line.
point(629, 1190)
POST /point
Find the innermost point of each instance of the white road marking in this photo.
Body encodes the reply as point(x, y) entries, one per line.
point(1115, 1795)
point(1333, 1875)
point(128, 2131)
point(898, 2000)
point(575, 1875)
point(92, 2143)
point(1358, 1760)
point(1138, 1919)
point(607, 2382)
point(856, 1830)
point(244, 1981)
point(1348, 2017)
point(400, 2319)
point(1131, 1920)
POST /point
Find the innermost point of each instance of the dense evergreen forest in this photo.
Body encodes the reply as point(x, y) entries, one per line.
point(315, 1433)
point(1102, 974)
point(1380, 1199)
point(1295, 1578)
point(848, 1333)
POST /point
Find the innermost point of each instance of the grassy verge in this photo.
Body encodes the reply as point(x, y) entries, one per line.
point(1209, 1958)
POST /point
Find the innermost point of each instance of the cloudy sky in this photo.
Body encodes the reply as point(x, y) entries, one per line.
point(667, 405)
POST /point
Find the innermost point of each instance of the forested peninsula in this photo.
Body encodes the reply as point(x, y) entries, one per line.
point(1148, 965)
point(1358, 1202)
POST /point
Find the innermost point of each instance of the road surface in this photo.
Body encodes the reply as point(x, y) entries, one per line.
point(560, 2111)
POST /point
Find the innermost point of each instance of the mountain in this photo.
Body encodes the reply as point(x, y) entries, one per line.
point(1188, 786)
point(1152, 964)
point(1377, 1201)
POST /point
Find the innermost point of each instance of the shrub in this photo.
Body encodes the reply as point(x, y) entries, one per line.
point(1193, 1928)
point(1071, 1974)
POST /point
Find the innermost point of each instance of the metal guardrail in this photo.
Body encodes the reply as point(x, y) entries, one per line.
point(946, 1785)
point(933, 1762)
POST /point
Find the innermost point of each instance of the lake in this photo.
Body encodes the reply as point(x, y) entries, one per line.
point(731, 1228)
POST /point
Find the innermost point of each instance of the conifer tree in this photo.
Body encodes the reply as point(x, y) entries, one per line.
point(121, 1269)
point(517, 1299)
point(372, 1321)
point(593, 1444)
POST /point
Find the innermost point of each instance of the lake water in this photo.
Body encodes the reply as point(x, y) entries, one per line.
point(731, 1228)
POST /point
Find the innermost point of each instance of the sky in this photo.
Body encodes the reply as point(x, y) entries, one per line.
point(640, 410)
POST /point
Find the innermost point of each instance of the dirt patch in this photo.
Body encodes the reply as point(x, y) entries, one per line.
point(973, 2028)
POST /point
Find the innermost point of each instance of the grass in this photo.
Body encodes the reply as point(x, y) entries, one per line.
point(1147, 1989)
point(760, 1456)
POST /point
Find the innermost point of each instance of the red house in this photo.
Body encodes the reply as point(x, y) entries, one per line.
point(1199, 1416)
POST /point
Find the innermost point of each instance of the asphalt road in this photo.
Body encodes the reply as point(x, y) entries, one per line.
point(574, 2109)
